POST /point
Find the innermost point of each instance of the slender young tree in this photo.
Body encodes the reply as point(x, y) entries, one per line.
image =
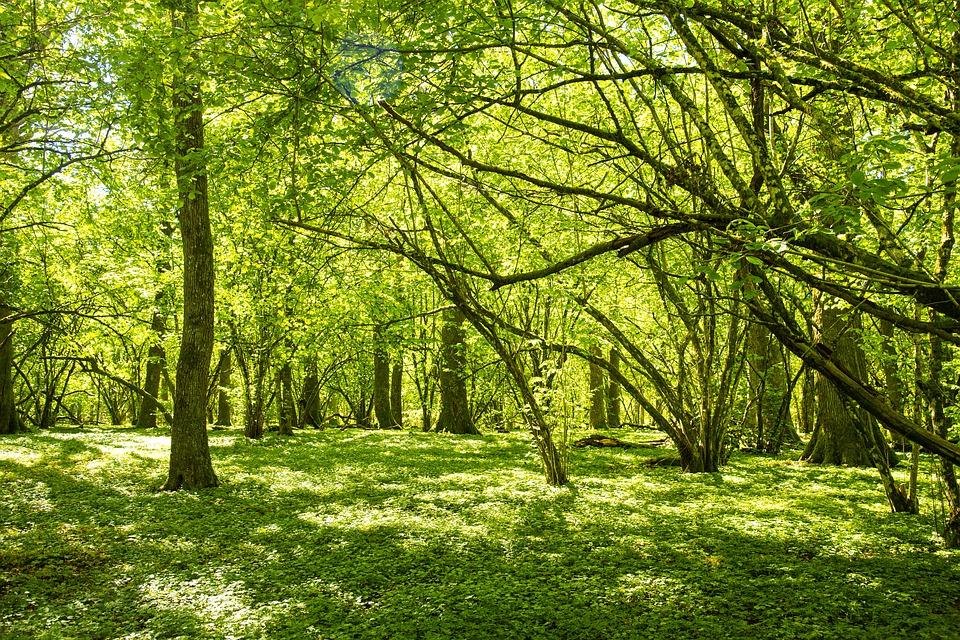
point(381, 386)
point(396, 392)
point(613, 391)
point(224, 410)
point(598, 410)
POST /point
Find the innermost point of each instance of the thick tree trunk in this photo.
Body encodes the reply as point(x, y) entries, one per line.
point(147, 417)
point(224, 412)
point(396, 393)
point(613, 392)
point(836, 439)
point(454, 408)
point(942, 422)
point(310, 411)
point(190, 464)
point(598, 411)
point(381, 387)
point(9, 418)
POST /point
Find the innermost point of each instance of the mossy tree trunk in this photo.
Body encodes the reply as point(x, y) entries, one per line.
point(836, 439)
point(454, 406)
point(9, 418)
point(808, 403)
point(190, 463)
point(156, 354)
point(940, 355)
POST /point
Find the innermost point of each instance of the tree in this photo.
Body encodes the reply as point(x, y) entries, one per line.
point(190, 463)
point(224, 412)
point(613, 391)
point(836, 437)
point(396, 393)
point(381, 386)
point(156, 354)
point(697, 184)
point(455, 416)
point(598, 406)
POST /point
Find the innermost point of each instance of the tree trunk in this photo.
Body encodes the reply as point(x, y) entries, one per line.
point(287, 413)
point(310, 411)
point(381, 386)
point(598, 412)
point(147, 417)
point(942, 422)
point(454, 407)
point(892, 382)
point(9, 418)
point(190, 463)
point(836, 438)
point(613, 392)
point(808, 404)
point(224, 412)
point(396, 393)
point(254, 419)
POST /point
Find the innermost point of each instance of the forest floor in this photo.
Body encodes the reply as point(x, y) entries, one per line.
point(365, 534)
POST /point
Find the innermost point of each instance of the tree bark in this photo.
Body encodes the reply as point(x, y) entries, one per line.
point(287, 412)
point(454, 407)
point(613, 392)
point(310, 412)
point(835, 438)
point(598, 412)
point(190, 463)
point(147, 417)
point(224, 411)
point(9, 418)
point(396, 393)
point(381, 386)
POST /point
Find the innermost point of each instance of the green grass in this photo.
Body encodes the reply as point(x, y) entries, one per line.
point(352, 534)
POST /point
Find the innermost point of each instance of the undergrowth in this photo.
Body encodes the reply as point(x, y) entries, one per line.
point(363, 534)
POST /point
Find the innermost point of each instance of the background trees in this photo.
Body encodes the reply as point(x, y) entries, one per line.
point(695, 205)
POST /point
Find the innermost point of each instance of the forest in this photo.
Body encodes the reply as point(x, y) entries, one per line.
point(436, 319)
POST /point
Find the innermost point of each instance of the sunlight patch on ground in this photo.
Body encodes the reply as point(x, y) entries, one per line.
point(29, 497)
point(210, 601)
point(20, 456)
point(413, 518)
